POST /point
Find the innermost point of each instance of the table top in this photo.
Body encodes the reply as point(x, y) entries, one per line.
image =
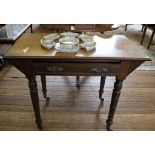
point(116, 47)
point(11, 32)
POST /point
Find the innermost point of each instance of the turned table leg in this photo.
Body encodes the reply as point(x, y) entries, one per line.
point(101, 91)
point(144, 32)
point(43, 82)
point(114, 101)
point(151, 38)
point(31, 28)
point(78, 82)
point(35, 100)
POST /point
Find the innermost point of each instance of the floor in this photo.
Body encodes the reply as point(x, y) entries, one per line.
point(70, 109)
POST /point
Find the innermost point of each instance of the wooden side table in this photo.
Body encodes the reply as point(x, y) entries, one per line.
point(114, 56)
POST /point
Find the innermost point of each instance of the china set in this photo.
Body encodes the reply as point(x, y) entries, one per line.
point(68, 42)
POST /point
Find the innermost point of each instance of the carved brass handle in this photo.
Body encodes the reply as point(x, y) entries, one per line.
point(99, 70)
point(55, 69)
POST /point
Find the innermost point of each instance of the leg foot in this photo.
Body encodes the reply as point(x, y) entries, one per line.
point(43, 82)
point(47, 101)
point(39, 125)
point(102, 83)
point(78, 82)
point(108, 127)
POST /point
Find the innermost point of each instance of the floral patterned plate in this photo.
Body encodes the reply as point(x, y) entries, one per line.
point(52, 36)
point(65, 48)
point(69, 40)
point(69, 34)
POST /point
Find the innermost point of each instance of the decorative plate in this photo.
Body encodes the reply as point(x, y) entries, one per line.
point(69, 40)
point(69, 34)
point(48, 44)
point(67, 48)
point(88, 45)
point(86, 37)
point(52, 36)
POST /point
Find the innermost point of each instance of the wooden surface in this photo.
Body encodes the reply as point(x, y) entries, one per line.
point(73, 110)
point(115, 47)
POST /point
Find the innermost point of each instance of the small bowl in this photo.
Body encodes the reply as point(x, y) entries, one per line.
point(88, 46)
point(69, 34)
point(48, 44)
point(86, 38)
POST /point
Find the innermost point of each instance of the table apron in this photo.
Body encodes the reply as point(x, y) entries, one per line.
point(93, 69)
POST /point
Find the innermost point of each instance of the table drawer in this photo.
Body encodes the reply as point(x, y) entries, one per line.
point(76, 68)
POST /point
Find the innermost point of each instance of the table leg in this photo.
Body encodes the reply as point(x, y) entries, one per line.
point(151, 38)
point(43, 82)
point(35, 100)
point(78, 82)
point(114, 101)
point(101, 91)
point(31, 28)
point(145, 28)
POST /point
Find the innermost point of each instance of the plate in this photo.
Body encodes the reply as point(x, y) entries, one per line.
point(69, 34)
point(65, 48)
point(88, 45)
point(46, 43)
point(52, 36)
point(69, 40)
point(86, 37)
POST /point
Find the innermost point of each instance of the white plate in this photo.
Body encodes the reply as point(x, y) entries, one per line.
point(69, 34)
point(67, 48)
point(69, 40)
point(48, 44)
point(52, 36)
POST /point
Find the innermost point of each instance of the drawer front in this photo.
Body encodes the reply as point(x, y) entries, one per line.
point(76, 68)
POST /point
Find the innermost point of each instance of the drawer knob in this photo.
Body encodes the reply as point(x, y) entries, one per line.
point(99, 70)
point(55, 69)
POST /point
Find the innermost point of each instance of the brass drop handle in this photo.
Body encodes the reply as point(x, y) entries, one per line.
point(55, 69)
point(99, 70)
